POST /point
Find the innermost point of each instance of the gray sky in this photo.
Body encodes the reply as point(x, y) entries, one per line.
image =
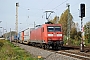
point(36, 11)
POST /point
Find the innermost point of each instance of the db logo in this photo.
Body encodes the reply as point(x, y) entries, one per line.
point(54, 34)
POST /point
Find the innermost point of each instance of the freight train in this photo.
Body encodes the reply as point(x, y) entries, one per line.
point(45, 36)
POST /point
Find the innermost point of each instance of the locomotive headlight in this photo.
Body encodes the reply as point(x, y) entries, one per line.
point(49, 39)
point(60, 38)
point(50, 34)
point(59, 34)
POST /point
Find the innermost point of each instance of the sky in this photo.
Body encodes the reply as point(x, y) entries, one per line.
point(30, 11)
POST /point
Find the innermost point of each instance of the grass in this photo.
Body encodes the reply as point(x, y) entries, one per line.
point(10, 52)
point(74, 42)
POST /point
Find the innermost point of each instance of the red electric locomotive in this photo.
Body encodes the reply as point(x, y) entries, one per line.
point(47, 35)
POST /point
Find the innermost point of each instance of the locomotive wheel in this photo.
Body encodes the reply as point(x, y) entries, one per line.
point(33, 44)
point(55, 47)
point(21, 41)
point(43, 46)
point(47, 47)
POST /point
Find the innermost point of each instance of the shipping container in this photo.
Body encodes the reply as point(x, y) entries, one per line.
point(18, 37)
point(36, 35)
point(21, 36)
point(26, 36)
point(12, 38)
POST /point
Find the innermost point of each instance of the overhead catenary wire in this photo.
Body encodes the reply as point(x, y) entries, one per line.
point(48, 3)
point(27, 14)
point(74, 14)
point(79, 11)
point(59, 4)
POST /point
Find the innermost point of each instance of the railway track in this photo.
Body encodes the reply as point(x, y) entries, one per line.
point(71, 53)
point(78, 55)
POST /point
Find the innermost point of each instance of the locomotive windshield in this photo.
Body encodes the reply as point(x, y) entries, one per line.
point(54, 29)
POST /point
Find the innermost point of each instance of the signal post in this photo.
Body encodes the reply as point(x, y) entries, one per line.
point(82, 14)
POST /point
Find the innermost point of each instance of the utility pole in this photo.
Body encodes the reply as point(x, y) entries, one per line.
point(3, 32)
point(68, 24)
point(28, 12)
point(10, 36)
point(6, 35)
point(47, 17)
point(34, 24)
point(17, 5)
point(57, 19)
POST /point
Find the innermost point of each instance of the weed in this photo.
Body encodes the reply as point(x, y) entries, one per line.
point(11, 52)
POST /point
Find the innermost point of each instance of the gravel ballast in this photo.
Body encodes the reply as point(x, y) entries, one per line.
point(47, 55)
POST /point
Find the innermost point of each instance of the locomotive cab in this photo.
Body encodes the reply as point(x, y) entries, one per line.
point(52, 34)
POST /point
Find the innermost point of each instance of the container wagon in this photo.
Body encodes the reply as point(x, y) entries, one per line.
point(25, 36)
point(21, 36)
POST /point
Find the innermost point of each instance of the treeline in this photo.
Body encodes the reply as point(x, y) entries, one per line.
point(74, 27)
point(87, 31)
point(7, 35)
point(75, 32)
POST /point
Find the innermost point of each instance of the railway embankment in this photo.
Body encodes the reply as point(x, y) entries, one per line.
point(46, 54)
point(9, 51)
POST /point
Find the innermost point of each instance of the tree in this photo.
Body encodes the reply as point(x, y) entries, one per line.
point(87, 31)
point(73, 32)
point(55, 20)
point(64, 19)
